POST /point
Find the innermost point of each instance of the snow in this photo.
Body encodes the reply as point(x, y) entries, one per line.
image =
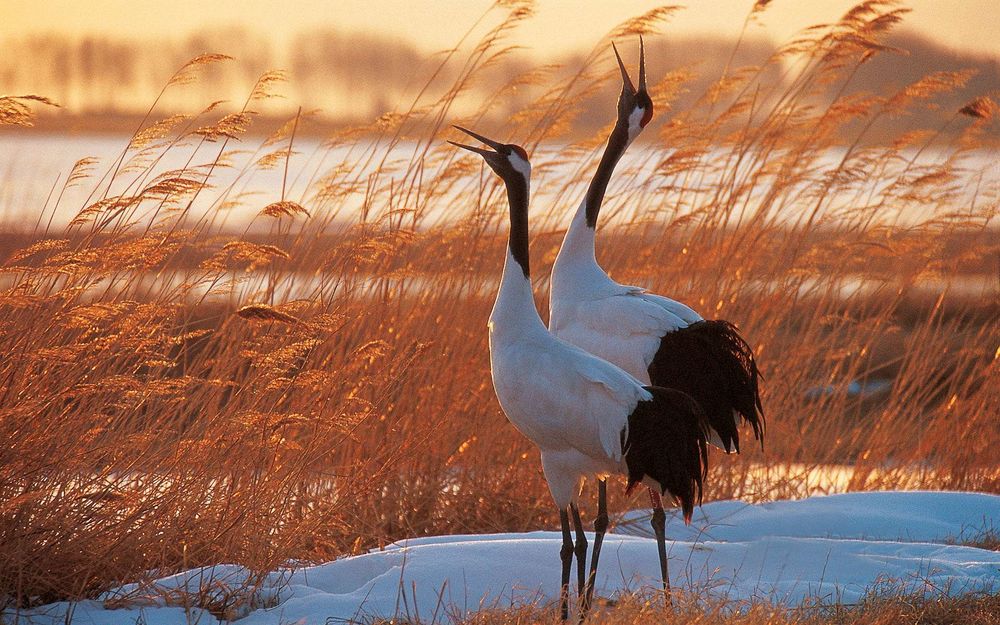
point(827, 549)
point(912, 516)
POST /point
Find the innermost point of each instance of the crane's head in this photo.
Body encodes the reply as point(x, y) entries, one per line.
point(509, 161)
point(635, 107)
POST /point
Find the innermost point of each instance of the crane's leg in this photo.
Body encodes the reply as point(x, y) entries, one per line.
point(580, 549)
point(600, 527)
point(566, 555)
point(659, 529)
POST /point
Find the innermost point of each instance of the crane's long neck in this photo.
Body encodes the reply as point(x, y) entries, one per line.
point(576, 265)
point(514, 312)
point(617, 143)
point(517, 240)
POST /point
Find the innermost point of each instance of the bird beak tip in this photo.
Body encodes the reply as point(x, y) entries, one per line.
point(488, 155)
point(642, 65)
point(490, 142)
point(626, 80)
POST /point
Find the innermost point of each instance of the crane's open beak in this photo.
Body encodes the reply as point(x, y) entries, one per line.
point(627, 86)
point(487, 154)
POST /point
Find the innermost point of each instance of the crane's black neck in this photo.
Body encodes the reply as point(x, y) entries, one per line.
point(517, 196)
point(617, 143)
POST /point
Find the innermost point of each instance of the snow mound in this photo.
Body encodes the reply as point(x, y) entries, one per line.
point(830, 549)
point(912, 516)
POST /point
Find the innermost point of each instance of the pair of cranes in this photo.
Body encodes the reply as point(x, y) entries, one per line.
point(622, 381)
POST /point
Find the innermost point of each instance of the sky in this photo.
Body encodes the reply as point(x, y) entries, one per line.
point(558, 26)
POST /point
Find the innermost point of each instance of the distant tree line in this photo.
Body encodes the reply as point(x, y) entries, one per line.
point(355, 77)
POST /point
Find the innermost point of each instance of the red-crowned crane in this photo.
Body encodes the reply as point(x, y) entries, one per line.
point(657, 340)
point(588, 417)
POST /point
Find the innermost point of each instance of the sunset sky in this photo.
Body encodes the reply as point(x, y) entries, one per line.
point(559, 25)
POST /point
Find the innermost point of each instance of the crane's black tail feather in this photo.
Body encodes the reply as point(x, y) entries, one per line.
point(668, 441)
point(712, 363)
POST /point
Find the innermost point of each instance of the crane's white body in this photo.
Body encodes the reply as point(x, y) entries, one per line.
point(619, 323)
point(573, 405)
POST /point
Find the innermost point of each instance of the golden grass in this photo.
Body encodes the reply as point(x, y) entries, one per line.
point(164, 404)
point(15, 110)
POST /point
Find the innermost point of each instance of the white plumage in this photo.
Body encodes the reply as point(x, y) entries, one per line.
point(617, 322)
point(571, 404)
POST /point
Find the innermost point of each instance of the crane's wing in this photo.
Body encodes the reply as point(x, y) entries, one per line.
point(685, 313)
point(562, 397)
point(633, 310)
point(624, 328)
point(611, 395)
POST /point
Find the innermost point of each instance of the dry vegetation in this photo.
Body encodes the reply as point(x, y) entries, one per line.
point(164, 403)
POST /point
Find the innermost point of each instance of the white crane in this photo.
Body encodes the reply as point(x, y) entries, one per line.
point(588, 417)
point(657, 340)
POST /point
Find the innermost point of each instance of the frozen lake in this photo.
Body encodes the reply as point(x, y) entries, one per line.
point(34, 167)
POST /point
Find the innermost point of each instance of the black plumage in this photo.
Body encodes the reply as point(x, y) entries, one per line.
point(712, 363)
point(667, 440)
